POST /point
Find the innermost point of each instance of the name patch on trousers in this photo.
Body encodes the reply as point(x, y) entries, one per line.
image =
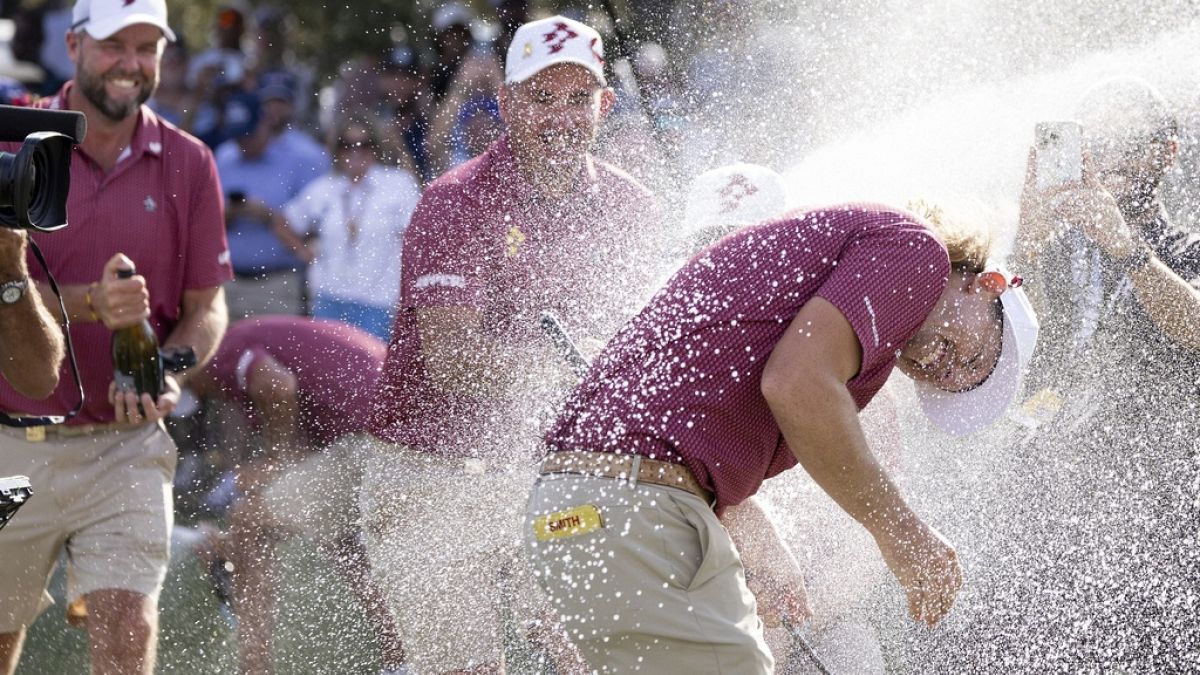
point(570, 523)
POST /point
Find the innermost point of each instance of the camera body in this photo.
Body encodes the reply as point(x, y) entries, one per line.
point(34, 181)
point(14, 491)
point(1059, 148)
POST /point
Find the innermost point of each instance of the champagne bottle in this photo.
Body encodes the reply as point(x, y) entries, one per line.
point(137, 365)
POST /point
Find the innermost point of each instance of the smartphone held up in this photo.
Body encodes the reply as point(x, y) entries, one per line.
point(1058, 147)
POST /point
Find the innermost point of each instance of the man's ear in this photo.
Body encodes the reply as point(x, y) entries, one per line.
point(73, 39)
point(608, 99)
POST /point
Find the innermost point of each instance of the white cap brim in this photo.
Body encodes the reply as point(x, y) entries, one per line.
point(971, 411)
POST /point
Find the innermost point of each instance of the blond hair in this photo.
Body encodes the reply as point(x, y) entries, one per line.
point(963, 228)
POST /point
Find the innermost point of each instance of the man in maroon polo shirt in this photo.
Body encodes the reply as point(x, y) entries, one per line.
point(534, 224)
point(309, 386)
point(144, 195)
point(757, 355)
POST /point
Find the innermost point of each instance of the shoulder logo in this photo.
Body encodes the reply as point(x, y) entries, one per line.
point(513, 241)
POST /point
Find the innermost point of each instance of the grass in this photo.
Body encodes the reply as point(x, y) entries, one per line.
point(320, 628)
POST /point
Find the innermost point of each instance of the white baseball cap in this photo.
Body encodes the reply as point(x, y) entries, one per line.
point(735, 195)
point(540, 44)
point(102, 18)
point(970, 411)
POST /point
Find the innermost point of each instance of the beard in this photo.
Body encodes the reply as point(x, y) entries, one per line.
point(92, 87)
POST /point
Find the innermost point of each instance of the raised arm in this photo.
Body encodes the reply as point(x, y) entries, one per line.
point(461, 357)
point(804, 383)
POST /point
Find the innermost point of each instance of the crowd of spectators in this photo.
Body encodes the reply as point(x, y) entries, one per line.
point(320, 175)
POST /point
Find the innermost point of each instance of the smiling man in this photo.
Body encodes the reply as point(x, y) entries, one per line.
point(533, 224)
point(757, 356)
point(144, 195)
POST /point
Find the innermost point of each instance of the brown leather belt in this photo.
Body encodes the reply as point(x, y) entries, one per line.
point(37, 434)
point(611, 465)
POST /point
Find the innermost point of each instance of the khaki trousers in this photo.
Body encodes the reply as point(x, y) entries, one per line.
point(644, 578)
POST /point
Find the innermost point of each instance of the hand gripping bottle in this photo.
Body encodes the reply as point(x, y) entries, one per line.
point(137, 365)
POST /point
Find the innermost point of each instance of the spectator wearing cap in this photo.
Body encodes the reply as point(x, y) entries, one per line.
point(271, 53)
point(261, 172)
point(531, 225)
point(756, 357)
point(452, 42)
point(351, 222)
point(145, 198)
point(1117, 388)
point(174, 100)
point(225, 59)
point(277, 93)
point(465, 82)
point(402, 120)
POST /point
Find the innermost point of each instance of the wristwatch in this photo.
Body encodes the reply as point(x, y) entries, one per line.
point(11, 292)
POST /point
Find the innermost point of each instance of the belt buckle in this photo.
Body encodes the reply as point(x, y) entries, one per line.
point(35, 434)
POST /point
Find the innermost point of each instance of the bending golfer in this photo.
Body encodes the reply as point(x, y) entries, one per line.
point(756, 356)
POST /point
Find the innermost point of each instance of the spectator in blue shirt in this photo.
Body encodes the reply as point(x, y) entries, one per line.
point(260, 172)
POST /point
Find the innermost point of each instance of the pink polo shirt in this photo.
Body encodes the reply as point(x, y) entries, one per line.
point(336, 367)
point(161, 206)
point(681, 381)
point(481, 237)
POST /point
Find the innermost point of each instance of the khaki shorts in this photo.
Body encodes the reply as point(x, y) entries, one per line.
point(443, 536)
point(104, 498)
point(644, 579)
point(318, 498)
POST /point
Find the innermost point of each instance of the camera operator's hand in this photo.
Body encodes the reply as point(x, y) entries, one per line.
point(1088, 207)
point(1035, 226)
point(120, 302)
point(126, 403)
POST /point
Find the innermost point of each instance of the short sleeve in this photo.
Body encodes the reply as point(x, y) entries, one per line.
point(440, 264)
point(886, 281)
point(207, 255)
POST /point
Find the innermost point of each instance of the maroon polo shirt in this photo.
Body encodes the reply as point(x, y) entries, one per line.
point(161, 206)
point(681, 381)
point(482, 237)
point(336, 367)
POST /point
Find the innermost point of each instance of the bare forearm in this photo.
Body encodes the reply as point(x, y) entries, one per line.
point(822, 429)
point(1171, 302)
point(201, 324)
point(491, 367)
point(32, 343)
point(757, 540)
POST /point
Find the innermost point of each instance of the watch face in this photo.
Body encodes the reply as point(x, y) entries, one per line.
point(11, 294)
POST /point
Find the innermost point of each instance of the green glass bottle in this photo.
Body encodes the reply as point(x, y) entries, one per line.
point(137, 365)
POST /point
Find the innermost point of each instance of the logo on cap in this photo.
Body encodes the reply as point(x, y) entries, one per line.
point(558, 37)
point(596, 52)
point(737, 189)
